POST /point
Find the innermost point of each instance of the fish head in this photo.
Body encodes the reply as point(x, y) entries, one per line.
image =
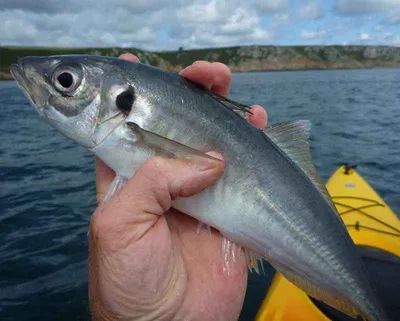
point(73, 94)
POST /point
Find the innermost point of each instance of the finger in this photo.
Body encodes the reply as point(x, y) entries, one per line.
point(104, 177)
point(163, 180)
point(222, 79)
point(259, 117)
point(150, 192)
point(201, 72)
point(215, 76)
point(129, 56)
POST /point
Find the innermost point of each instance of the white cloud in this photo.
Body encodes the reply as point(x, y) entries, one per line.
point(138, 23)
point(351, 7)
point(364, 36)
point(312, 10)
point(313, 34)
point(169, 24)
point(221, 23)
point(240, 22)
point(199, 13)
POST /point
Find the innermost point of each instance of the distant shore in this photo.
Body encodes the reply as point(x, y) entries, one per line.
point(239, 59)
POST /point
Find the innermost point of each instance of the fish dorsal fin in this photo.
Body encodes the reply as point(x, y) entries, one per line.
point(292, 138)
point(231, 104)
point(239, 108)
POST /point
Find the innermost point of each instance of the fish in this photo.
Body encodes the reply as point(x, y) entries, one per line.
point(279, 210)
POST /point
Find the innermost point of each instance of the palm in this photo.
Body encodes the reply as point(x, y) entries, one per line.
point(172, 261)
point(208, 287)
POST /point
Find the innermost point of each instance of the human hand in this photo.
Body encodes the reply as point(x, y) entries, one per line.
point(146, 260)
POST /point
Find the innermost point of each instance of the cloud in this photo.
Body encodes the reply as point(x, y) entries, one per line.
point(364, 36)
point(147, 24)
point(169, 24)
point(313, 34)
point(220, 23)
point(353, 7)
point(240, 26)
point(312, 10)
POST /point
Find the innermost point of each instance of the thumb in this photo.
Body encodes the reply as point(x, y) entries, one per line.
point(150, 192)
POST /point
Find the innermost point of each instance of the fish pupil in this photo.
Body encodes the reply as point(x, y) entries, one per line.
point(65, 79)
point(125, 100)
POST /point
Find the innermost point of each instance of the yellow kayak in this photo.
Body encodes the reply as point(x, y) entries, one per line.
point(374, 228)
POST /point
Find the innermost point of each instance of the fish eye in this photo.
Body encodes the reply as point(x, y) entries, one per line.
point(66, 80)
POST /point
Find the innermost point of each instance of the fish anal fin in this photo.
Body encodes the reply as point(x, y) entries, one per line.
point(292, 138)
point(321, 295)
point(254, 262)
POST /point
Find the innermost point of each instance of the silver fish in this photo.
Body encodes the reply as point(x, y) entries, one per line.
point(127, 112)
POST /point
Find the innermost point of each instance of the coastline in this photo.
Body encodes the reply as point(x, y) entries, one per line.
point(8, 77)
point(238, 59)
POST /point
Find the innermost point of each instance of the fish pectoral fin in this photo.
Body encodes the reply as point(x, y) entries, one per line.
point(166, 147)
point(117, 183)
point(292, 138)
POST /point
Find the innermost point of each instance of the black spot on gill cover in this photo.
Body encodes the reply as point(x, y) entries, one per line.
point(125, 100)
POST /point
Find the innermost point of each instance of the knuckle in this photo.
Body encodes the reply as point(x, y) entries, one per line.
point(153, 163)
point(154, 168)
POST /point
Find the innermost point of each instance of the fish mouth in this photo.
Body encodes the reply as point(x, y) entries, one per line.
point(26, 85)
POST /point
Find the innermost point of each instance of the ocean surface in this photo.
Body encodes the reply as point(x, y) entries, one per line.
point(47, 191)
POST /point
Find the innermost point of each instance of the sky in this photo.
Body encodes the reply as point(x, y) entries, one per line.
point(170, 24)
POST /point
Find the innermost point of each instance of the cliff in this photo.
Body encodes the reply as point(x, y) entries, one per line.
point(239, 59)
